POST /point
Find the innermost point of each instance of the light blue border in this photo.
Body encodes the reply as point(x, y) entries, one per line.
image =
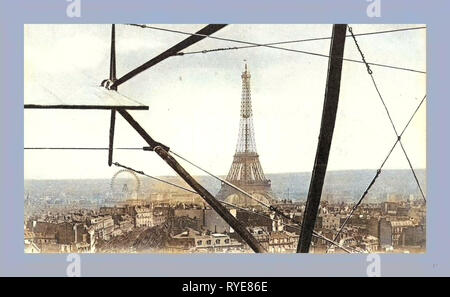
point(16, 13)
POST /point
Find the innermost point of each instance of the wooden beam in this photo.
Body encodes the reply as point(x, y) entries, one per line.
point(83, 107)
point(325, 137)
point(203, 33)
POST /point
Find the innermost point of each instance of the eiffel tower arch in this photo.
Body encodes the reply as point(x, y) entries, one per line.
point(246, 171)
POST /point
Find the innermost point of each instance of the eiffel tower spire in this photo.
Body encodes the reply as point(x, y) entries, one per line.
point(246, 141)
point(246, 171)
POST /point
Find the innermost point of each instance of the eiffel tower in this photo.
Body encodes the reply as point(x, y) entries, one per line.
point(246, 171)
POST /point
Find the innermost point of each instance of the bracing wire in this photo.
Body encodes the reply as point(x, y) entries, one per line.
point(295, 41)
point(378, 172)
point(370, 72)
point(268, 45)
point(82, 148)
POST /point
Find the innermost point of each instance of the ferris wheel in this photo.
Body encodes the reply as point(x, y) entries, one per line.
point(125, 184)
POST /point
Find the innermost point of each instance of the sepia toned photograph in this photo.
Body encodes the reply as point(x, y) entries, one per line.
point(240, 138)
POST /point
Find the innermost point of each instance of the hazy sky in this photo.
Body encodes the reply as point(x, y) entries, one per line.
point(194, 100)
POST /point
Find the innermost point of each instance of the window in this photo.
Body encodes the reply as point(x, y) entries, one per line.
point(199, 242)
point(208, 242)
point(217, 241)
point(227, 241)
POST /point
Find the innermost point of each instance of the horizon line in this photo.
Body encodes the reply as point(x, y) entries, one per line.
point(289, 172)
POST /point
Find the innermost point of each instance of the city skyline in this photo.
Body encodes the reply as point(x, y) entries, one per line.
point(67, 217)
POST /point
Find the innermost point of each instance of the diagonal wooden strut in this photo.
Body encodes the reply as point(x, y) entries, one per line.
point(325, 137)
point(221, 210)
point(203, 33)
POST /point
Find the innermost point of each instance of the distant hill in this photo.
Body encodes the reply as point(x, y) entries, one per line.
point(344, 185)
point(351, 183)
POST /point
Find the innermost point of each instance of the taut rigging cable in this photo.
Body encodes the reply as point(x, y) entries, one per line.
point(378, 172)
point(370, 72)
point(253, 44)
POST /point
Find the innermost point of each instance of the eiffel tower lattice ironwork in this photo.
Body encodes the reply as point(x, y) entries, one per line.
point(246, 171)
